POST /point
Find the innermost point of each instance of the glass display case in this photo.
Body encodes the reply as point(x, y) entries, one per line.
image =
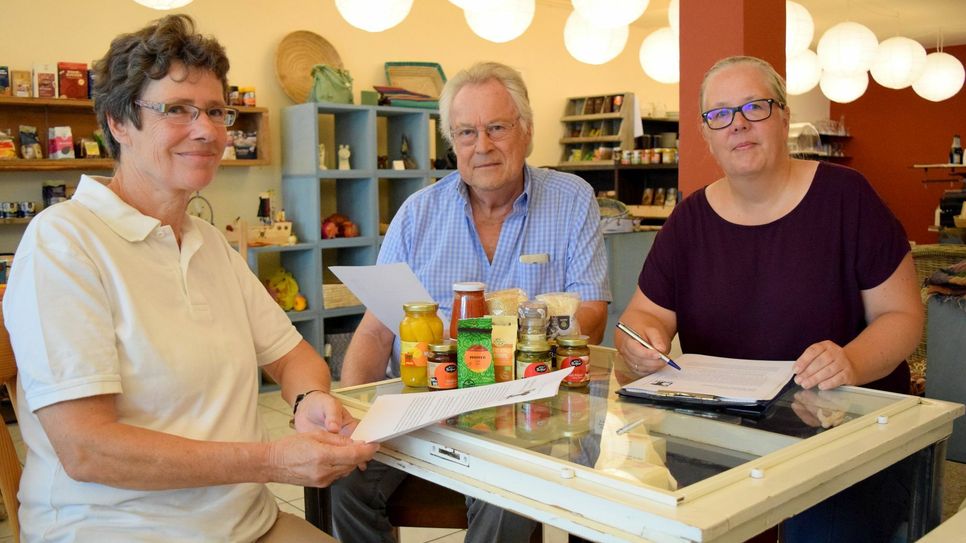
point(609, 469)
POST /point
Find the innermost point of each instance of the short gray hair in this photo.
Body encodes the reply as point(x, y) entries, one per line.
point(480, 73)
point(775, 81)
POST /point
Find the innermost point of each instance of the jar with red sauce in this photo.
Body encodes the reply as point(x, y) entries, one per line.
point(468, 303)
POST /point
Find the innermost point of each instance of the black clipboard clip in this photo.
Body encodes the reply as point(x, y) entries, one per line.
point(670, 394)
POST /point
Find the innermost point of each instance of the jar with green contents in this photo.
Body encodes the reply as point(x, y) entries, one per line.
point(533, 359)
point(420, 328)
point(572, 351)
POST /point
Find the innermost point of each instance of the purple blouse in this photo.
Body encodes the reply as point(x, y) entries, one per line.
point(769, 291)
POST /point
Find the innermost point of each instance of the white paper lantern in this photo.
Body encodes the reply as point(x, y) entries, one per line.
point(942, 77)
point(802, 72)
point(674, 16)
point(844, 88)
point(847, 48)
point(373, 15)
point(660, 56)
point(898, 62)
point(592, 44)
point(610, 13)
point(463, 4)
point(164, 4)
point(799, 28)
point(500, 21)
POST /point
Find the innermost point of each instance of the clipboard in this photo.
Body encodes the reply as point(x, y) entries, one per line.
point(708, 402)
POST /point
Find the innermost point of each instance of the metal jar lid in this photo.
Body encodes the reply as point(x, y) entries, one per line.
point(573, 341)
point(534, 347)
point(444, 347)
point(469, 286)
point(420, 307)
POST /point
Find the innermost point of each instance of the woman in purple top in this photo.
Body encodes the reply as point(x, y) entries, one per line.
point(780, 259)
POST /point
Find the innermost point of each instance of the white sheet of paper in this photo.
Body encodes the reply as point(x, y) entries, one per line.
point(383, 289)
point(727, 378)
point(396, 414)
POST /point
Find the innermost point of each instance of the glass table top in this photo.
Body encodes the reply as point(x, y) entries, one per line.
point(665, 448)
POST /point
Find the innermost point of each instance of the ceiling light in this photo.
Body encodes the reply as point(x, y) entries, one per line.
point(592, 44)
point(942, 77)
point(373, 15)
point(674, 16)
point(844, 88)
point(799, 28)
point(660, 56)
point(500, 20)
point(610, 13)
point(847, 48)
point(898, 62)
point(164, 4)
point(802, 72)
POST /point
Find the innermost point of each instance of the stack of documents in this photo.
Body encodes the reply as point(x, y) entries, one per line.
point(715, 381)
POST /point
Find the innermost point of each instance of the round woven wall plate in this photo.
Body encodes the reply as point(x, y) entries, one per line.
point(297, 53)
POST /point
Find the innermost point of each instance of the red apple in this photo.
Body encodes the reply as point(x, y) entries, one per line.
point(330, 230)
point(348, 229)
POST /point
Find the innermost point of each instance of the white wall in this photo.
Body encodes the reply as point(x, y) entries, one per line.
point(53, 30)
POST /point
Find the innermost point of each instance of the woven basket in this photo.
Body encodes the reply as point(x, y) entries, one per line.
point(297, 53)
point(338, 295)
point(929, 259)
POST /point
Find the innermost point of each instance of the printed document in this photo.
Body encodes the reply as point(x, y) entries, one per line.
point(728, 380)
point(396, 414)
point(383, 289)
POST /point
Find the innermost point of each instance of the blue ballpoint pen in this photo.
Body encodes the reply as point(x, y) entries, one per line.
point(637, 337)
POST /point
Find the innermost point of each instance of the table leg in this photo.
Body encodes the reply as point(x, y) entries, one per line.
point(317, 508)
point(927, 490)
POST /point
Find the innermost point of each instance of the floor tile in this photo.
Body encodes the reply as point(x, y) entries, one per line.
point(275, 433)
point(291, 509)
point(408, 534)
point(456, 537)
point(286, 492)
point(298, 504)
point(273, 400)
point(275, 419)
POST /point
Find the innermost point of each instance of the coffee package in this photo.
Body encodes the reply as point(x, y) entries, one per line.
point(474, 352)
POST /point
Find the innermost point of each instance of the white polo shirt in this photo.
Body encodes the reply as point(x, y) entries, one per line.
point(101, 300)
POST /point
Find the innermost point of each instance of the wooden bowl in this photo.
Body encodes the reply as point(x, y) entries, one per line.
point(297, 54)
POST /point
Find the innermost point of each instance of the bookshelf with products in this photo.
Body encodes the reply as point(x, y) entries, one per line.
point(594, 125)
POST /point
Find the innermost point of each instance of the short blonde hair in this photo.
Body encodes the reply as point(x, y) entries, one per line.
point(775, 81)
point(480, 73)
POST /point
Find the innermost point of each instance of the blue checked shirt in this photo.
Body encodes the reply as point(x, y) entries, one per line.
point(556, 216)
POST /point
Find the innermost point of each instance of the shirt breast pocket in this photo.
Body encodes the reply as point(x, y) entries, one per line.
point(538, 277)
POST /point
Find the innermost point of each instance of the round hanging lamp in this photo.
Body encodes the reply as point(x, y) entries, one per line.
point(674, 16)
point(164, 4)
point(592, 44)
point(941, 79)
point(799, 28)
point(500, 21)
point(898, 62)
point(373, 15)
point(844, 88)
point(610, 13)
point(660, 56)
point(802, 72)
point(847, 48)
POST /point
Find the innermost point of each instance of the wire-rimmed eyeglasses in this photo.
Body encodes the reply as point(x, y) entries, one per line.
point(496, 131)
point(754, 111)
point(187, 113)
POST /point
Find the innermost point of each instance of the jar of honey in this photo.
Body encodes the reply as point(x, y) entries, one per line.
point(572, 351)
point(420, 328)
point(468, 303)
point(441, 367)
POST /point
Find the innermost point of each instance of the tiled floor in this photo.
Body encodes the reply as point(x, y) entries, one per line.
point(276, 414)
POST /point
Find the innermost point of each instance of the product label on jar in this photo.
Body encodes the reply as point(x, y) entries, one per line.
point(442, 375)
point(413, 353)
point(580, 365)
point(525, 370)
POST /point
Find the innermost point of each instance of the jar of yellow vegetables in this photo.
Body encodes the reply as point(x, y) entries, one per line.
point(419, 328)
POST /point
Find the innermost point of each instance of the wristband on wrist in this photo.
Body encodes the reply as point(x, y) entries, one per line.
point(300, 397)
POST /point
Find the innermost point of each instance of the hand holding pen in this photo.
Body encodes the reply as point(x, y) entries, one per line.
point(639, 339)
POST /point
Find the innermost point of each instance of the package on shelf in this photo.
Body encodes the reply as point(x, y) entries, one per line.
point(29, 143)
point(337, 295)
point(45, 81)
point(72, 79)
point(245, 144)
point(5, 89)
point(60, 142)
point(21, 83)
point(8, 150)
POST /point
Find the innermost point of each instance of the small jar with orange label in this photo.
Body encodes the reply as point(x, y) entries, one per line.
point(441, 366)
point(533, 359)
point(572, 351)
point(420, 328)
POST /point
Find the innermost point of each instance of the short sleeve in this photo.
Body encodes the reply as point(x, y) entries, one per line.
point(656, 280)
point(881, 240)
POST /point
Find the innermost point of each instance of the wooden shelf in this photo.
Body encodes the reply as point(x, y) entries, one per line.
point(21, 220)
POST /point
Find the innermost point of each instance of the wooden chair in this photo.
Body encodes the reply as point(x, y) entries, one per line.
point(10, 469)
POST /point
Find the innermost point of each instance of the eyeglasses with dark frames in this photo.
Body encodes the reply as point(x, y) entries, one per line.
point(495, 131)
point(187, 113)
point(756, 110)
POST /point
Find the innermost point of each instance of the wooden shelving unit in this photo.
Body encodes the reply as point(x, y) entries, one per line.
point(592, 122)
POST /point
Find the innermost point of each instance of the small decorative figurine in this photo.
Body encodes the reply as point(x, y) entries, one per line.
point(322, 156)
point(344, 154)
point(404, 150)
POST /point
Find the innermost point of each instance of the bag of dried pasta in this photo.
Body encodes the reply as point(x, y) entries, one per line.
point(562, 309)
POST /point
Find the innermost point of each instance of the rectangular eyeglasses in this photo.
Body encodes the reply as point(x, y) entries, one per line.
point(494, 131)
point(187, 113)
point(754, 111)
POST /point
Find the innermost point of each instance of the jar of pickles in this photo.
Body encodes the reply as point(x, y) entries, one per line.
point(468, 303)
point(572, 351)
point(533, 359)
point(441, 366)
point(420, 328)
